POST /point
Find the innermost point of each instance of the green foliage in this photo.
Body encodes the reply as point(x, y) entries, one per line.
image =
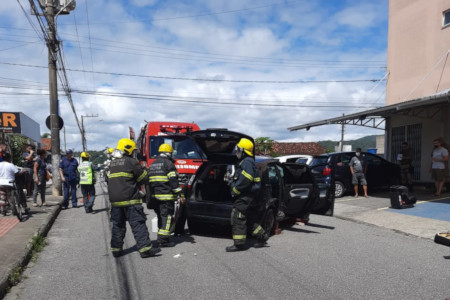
point(16, 143)
point(364, 143)
point(264, 146)
point(46, 135)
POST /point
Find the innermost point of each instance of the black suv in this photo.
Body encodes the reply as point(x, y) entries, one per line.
point(380, 172)
point(288, 190)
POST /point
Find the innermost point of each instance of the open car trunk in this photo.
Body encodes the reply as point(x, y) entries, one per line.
point(211, 184)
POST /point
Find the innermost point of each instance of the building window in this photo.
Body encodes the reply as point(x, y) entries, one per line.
point(446, 19)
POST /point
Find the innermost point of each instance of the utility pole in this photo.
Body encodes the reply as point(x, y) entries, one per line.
point(83, 132)
point(53, 47)
point(341, 143)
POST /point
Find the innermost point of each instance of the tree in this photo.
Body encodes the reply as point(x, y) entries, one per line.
point(264, 146)
point(46, 135)
point(16, 143)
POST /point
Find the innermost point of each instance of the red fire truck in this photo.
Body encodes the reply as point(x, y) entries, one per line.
point(186, 153)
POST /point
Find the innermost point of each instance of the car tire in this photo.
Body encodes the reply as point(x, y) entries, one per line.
point(269, 221)
point(339, 189)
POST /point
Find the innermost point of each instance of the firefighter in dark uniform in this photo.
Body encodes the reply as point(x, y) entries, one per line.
point(165, 191)
point(246, 183)
point(126, 201)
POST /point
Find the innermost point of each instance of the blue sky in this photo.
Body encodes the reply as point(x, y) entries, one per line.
point(252, 66)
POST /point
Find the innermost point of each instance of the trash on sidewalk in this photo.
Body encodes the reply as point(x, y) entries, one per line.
point(442, 238)
point(177, 255)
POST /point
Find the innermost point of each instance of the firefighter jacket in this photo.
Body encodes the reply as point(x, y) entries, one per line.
point(126, 175)
point(246, 180)
point(86, 171)
point(164, 179)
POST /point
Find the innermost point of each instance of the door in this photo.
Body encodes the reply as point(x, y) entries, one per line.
point(299, 189)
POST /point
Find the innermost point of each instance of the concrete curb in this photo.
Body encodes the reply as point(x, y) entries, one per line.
point(25, 255)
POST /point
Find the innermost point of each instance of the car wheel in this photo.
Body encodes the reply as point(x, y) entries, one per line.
point(269, 221)
point(339, 189)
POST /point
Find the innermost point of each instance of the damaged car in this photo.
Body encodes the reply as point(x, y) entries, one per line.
point(288, 190)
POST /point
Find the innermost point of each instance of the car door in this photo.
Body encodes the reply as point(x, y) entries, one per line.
point(324, 175)
point(375, 175)
point(299, 189)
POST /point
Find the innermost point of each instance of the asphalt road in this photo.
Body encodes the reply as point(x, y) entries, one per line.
point(329, 259)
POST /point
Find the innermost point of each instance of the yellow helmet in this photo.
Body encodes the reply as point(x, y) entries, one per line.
point(165, 148)
point(247, 145)
point(126, 145)
point(84, 155)
point(110, 150)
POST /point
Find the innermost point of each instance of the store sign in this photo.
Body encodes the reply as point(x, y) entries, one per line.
point(10, 122)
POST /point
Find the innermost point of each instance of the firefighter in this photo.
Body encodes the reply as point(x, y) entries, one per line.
point(165, 191)
point(109, 157)
point(246, 183)
point(126, 201)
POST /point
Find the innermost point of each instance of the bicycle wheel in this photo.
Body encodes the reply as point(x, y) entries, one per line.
point(16, 206)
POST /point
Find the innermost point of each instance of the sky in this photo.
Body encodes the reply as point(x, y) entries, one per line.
point(256, 67)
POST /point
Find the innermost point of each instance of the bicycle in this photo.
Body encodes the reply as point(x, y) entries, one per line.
point(14, 201)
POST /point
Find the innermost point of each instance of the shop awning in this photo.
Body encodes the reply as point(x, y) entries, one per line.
point(426, 107)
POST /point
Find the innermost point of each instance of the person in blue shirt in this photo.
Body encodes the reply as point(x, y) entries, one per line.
point(69, 176)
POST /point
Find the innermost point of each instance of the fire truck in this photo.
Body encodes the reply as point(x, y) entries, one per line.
point(186, 153)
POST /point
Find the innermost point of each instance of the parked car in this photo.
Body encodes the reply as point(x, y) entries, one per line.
point(292, 158)
point(288, 190)
point(380, 172)
point(304, 159)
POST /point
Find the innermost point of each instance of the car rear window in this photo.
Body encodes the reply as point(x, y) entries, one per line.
point(318, 160)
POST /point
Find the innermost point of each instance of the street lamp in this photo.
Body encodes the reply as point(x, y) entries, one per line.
point(83, 132)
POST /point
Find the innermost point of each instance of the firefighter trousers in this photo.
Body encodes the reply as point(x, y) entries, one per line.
point(136, 218)
point(245, 217)
point(166, 224)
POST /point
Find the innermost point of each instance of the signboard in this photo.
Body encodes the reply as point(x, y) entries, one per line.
point(10, 122)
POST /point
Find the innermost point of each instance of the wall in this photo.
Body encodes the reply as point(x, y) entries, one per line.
point(416, 42)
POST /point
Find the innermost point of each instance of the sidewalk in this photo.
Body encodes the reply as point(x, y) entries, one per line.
point(16, 238)
point(429, 215)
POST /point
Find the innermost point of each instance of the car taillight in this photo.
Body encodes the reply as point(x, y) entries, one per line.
point(326, 171)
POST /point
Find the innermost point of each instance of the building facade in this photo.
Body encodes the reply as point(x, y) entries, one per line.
point(418, 66)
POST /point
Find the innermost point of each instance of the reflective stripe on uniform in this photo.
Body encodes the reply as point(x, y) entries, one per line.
point(258, 229)
point(236, 191)
point(246, 175)
point(121, 174)
point(164, 232)
point(172, 174)
point(239, 237)
point(257, 179)
point(142, 176)
point(127, 203)
point(165, 197)
point(159, 179)
point(145, 249)
point(116, 249)
point(177, 190)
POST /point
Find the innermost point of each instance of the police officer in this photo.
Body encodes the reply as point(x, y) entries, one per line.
point(165, 191)
point(125, 177)
point(87, 182)
point(245, 185)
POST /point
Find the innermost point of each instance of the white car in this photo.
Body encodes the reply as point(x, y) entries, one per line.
point(296, 158)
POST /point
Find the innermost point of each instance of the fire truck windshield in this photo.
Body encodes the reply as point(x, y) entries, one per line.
point(183, 147)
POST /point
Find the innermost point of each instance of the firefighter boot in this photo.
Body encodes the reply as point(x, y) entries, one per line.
point(261, 242)
point(234, 248)
point(150, 253)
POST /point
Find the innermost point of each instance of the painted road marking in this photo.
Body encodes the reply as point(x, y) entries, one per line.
point(438, 209)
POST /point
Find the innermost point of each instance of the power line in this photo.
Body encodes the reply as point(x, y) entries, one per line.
point(201, 79)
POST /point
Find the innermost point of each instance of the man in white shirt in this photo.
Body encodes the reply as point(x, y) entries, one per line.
point(439, 158)
point(8, 173)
